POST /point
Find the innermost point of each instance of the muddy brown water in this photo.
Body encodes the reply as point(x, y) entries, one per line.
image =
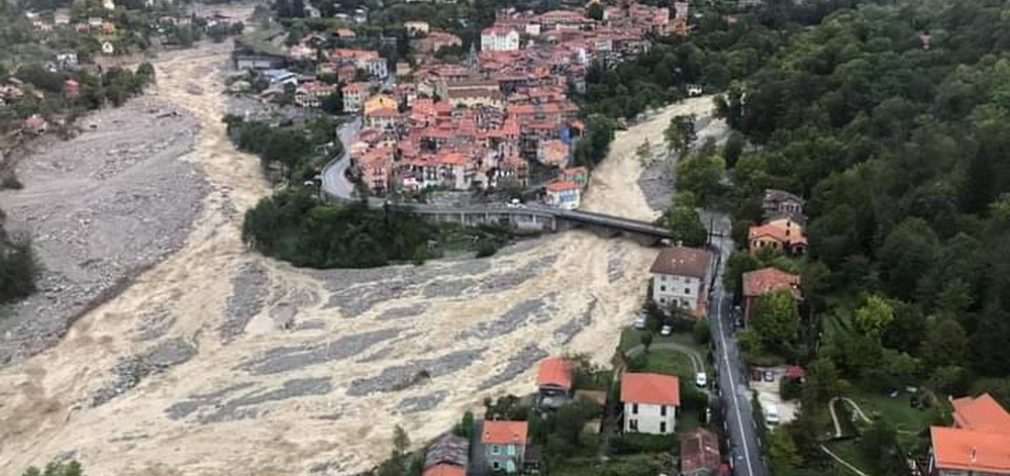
point(322, 364)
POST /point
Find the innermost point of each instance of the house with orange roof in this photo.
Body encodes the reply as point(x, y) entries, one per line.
point(782, 234)
point(982, 413)
point(376, 169)
point(979, 442)
point(505, 445)
point(563, 194)
point(679, 278)
point(555, 382)
point(382, 119)
point(767, 281)
point(650, 403)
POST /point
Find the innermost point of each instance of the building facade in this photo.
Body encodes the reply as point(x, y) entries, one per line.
point(679, 276)
point(499, 39)
point(650, 403)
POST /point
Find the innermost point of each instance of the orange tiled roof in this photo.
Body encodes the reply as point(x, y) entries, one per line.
point(504, 432)
point(777, 233)
point(561, 186)
point(981, 413)
point(555, 371)
point(969, 450)
point(445, 470)
point(650, 388)
point(769, 280)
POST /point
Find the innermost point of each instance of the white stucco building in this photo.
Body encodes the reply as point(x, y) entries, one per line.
point(499, 39)
point(650, 403)
point(679, 277)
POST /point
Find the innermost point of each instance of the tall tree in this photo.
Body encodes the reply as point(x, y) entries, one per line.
point(776, 320)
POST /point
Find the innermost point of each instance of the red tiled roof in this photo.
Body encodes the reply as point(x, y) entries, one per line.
point(444, 470)
point(504, 432)
point(969, 450)
point(655, 389)
point(555, 371)
point(982, 413)
point(778, 233)
point(769, 280)
point(561, 186)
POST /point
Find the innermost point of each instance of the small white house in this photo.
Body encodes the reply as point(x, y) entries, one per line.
point(563, 194)
point(679, 275)
point(650, 403)
point(108, 48)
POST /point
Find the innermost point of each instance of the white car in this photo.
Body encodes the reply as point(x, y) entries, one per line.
point(666, 330)
point(771, 416)
point(701, 380)
point(640, 323)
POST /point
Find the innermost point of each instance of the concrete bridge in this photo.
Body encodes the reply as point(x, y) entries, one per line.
point(538, 219)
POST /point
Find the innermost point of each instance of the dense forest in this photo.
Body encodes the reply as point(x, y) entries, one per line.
point(893, 122)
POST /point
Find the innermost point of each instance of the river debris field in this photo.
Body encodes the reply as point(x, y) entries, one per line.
point(216, 360)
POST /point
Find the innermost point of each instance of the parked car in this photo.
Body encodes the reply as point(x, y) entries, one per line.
point(769, 376)
point(666, 330)
point(701, 380)
point(640, 323)
point(771, 416)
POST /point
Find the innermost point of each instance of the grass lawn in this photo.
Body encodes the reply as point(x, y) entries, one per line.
point(688, 420)
point(669, 362)
point(631, 465)
point(631, 337)
point(849, 451)
point(908, 421)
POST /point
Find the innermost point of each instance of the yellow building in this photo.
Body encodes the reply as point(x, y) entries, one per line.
point(380, 101)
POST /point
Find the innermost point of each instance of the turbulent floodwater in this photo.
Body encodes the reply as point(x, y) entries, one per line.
point(218, 361)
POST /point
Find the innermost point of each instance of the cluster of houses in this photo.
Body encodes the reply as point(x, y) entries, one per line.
point(101, 24)
point(487, 122)
point(783, 226)
point(649, 403)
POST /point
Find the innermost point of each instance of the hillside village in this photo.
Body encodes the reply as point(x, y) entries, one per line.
point(502, 118)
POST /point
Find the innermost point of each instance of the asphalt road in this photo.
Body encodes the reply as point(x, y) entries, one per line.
point(335, 180)
point(745, 450)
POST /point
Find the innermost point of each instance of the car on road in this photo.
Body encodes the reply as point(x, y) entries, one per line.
point(640, 323)
point(701, 380)
point(666, 330)
point(515, 203)
point(769, 376)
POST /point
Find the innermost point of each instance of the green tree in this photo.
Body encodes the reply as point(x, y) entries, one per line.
point(595, 11)
point(145, 73)
point(874, 316)
point(686, 227)
point(680, 133)
point(776, 321)
point(782, 452)
point(733, 148)
point(702, 176)
point(946, 344)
